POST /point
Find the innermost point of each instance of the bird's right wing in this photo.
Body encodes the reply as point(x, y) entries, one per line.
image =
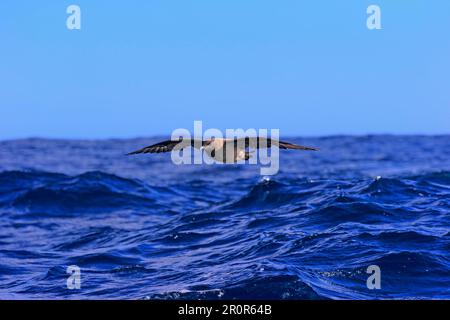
point(169, 145)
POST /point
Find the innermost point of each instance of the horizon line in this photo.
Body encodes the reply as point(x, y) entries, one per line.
point(286, 136)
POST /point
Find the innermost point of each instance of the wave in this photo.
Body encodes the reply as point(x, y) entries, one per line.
point(234, 237)
point(257, 288)
point(86, 193)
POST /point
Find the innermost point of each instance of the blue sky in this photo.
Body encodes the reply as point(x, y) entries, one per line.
point(140, 68)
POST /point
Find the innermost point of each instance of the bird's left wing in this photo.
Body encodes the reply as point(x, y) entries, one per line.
point(169, 145)
point(259, 142)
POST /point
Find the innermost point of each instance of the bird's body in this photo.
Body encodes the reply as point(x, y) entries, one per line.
point(226, 151)
point(222, 150)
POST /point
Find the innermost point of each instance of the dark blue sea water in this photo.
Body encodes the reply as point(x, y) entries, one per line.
point(141, 228)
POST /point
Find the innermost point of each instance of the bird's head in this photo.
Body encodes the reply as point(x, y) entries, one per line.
point(208, 144)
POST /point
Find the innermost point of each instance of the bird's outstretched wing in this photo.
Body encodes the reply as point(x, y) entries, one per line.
point(169, 145)
point(259, 142)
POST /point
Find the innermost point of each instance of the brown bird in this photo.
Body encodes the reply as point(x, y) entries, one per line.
point(222, 150)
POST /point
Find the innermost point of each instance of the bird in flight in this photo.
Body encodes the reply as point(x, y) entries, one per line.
point(222, 150)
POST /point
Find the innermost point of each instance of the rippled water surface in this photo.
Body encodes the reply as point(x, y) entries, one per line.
point(140, 227)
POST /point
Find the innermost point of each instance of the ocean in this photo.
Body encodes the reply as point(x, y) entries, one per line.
point(140, 227)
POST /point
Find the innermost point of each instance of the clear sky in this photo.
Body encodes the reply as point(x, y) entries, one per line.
point(140, 68)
